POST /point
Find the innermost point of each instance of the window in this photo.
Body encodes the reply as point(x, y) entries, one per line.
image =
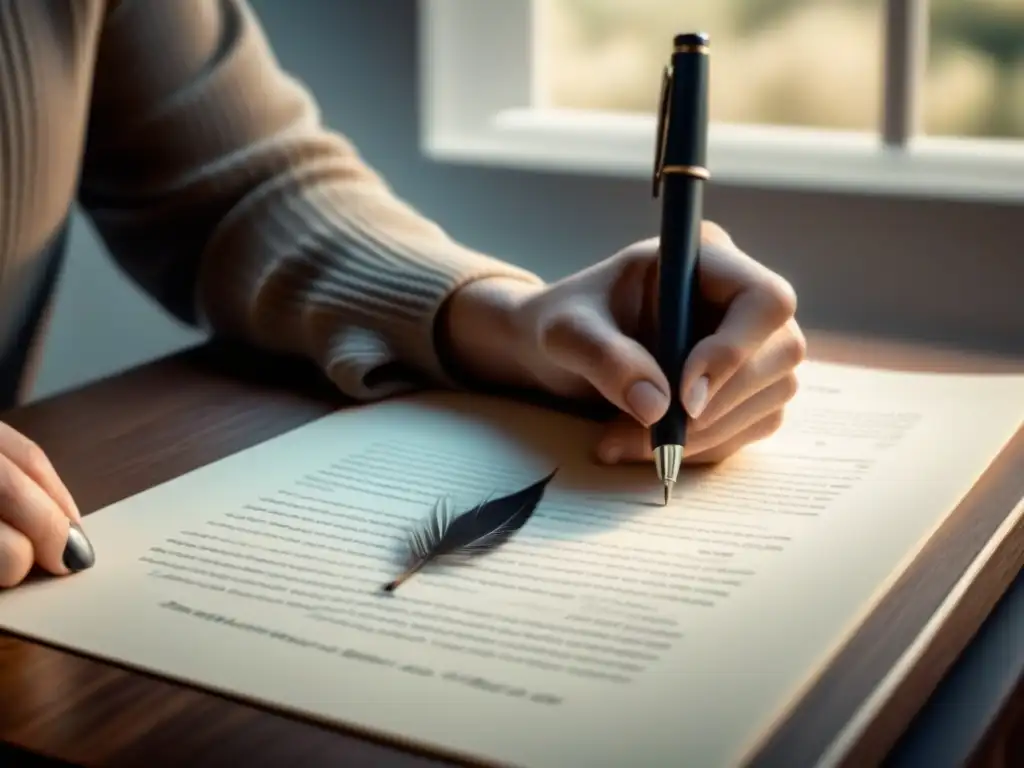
point(899, 96)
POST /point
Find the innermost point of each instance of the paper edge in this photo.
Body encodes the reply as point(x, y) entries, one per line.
point(837, 746)
point(847, 737)
point(819, 669)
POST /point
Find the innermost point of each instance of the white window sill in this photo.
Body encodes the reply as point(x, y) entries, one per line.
point(622, 146)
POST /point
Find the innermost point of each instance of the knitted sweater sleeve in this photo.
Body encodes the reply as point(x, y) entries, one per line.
point(211, 179)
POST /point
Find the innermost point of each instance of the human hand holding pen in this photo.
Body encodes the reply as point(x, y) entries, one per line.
point(589, 335)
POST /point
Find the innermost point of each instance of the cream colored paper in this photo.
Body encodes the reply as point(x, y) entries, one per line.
point(611, 631)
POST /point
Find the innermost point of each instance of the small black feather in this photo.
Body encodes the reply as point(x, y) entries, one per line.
point(477, 531)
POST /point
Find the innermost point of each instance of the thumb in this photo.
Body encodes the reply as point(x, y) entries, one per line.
point(586, 342)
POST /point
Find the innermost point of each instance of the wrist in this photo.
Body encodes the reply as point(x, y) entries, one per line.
point(482, 328)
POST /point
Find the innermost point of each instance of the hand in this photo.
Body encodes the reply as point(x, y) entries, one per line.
point(589, 334)
point(39, 522)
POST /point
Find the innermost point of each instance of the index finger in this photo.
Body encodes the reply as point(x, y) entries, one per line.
point(760, 303)
point(31, 460)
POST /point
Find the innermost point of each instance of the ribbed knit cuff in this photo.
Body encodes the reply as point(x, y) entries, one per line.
point(371, 360)
point(347, 275)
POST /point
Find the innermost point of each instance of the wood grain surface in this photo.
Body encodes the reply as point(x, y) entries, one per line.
point(120, 436)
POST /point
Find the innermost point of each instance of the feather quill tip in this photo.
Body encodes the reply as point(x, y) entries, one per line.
point(391, 586)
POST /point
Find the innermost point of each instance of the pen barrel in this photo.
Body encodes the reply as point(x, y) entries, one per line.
point(677, 291)
point(682, 173)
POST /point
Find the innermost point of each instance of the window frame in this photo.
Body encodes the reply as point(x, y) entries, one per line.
point(478, 106)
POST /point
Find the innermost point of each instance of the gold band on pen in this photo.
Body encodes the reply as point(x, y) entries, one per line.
point(686, 170)
point(703, 49)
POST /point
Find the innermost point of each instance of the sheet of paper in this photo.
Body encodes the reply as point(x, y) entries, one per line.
point(609, 628)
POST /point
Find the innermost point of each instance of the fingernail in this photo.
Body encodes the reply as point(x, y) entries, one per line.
point(646, 401)
point(696, 399)
point(78, 552)
point(611, 452)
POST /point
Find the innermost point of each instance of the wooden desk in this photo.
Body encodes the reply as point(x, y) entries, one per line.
point(127, 433)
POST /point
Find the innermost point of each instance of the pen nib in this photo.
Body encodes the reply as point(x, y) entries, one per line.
point(668, 492)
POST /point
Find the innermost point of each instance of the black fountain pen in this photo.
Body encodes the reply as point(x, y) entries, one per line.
point(679, 176)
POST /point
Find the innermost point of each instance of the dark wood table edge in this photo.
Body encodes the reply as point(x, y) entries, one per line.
point(879, 742)
point(961, 626)
point(19, 757)
point(976, 715)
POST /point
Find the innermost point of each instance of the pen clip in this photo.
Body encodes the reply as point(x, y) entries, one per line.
point(661, 132)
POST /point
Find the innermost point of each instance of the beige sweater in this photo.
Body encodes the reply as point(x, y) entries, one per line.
point(210, 178)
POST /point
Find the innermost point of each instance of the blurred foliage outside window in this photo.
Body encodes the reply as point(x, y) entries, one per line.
point(812, 63)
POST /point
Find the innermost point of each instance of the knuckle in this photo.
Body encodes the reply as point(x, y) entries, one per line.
point(559, 328)
point(711, 232)
point(36, 460)
point(572, 331)
point(789, 386)
point(795, 348)
point(780, 298)
point(771, 423)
